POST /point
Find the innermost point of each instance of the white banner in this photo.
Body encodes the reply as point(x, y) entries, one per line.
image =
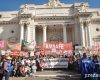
point(3, 52)
point(55, 63)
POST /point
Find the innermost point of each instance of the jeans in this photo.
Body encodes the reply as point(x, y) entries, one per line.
point(85, 78)
point(1, 76)
point(7, 75)
point(70, 66)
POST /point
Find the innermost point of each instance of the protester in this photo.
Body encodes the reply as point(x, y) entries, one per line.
point(99, 68)
point(86, 67)
point(27, 69)
point(32, 63)
point(96, 67)
point(21, 71)
point(14, 69)
point(7, 67)
point(1, 70)
point(70, 63)
point(34, 68)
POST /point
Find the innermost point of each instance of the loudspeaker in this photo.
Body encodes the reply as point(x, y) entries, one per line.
point(74, 46)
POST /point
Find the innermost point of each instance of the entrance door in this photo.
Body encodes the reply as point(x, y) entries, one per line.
point(69, 35)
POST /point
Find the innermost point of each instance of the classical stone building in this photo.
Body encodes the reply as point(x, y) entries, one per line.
point(53, 21)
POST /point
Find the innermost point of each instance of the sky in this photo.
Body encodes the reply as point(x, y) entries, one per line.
point(11, 5)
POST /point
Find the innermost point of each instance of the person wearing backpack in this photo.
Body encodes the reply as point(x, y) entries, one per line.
point(7, 67)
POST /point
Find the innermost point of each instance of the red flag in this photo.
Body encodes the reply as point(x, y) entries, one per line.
point(2, 44)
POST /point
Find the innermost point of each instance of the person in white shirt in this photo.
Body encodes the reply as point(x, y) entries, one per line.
point(32, 62)
point(28, 61)
point(34, 68)
point(27, 69)
point(23, 61)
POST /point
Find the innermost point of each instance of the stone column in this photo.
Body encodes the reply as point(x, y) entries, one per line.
point(64, 34)
point(86, 36)
point(22, 32)
point(82, 34)
point(89, 34)
point(44, 33)
point(28, 32)
point(34, 32)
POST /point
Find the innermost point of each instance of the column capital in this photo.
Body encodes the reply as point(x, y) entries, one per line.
point(34, 26)
point(22, 24)
point(27, 23)
point(64, 25)
point(81, 23)
point(44, 26)
point(88, 23)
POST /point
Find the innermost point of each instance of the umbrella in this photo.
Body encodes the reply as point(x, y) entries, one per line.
point(23, 52)
point(17, 52)
point(13, 54)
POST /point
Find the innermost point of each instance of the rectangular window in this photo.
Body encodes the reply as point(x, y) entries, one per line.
point(0, 16)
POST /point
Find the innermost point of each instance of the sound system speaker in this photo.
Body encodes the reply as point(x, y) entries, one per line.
point(74, 46)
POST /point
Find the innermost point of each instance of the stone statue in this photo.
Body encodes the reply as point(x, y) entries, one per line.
point(54, 3)
point(83, 7)
point(25, 9)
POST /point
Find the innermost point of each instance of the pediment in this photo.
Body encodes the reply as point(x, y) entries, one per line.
point(55, 38)
point(12, 39)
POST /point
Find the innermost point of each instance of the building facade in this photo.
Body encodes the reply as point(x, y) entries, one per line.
point(53, 21)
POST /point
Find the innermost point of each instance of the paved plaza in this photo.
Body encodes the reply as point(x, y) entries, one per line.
point(51, 75)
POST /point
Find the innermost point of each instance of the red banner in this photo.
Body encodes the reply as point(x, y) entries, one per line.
point(59, 48)
point(13, 46)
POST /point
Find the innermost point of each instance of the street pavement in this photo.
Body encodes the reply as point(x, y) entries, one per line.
point(51, 75)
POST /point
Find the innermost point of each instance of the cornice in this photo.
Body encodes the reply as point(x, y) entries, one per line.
point(24, 15)
point(79, 14)
point(95, 20)
point(27, 23)
point(54, 18)
point(8, 22)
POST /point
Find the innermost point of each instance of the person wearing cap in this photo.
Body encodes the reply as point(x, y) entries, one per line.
point(7, 67)
point(86, 67)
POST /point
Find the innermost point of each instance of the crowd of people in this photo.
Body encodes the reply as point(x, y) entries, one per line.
point(19, 66)
point(88, 66)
